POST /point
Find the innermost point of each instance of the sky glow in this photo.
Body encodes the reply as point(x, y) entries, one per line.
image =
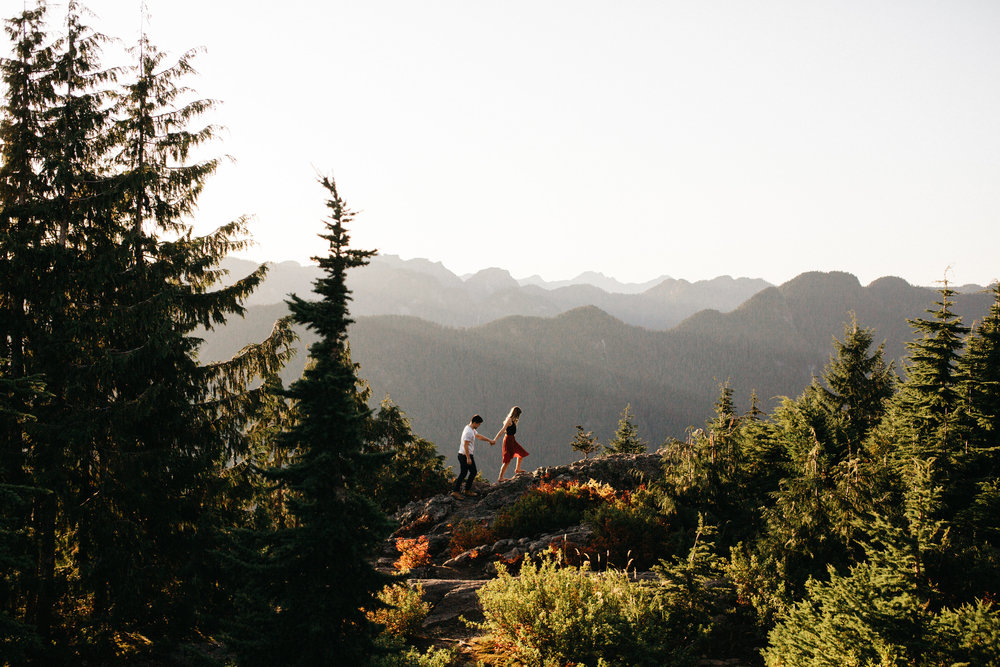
point(692, 139)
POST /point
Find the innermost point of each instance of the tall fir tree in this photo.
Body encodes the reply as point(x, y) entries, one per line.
point(975, 565)
point(170, 426)
point(856, 384)
point(26, 291)
point(979, 370)
point(316, 579)
point(830, 483)
point(929, 399)
point(723, 429)
point(125, 462)
point(725, 412)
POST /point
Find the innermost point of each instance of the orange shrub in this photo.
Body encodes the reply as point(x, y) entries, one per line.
point(413, 552)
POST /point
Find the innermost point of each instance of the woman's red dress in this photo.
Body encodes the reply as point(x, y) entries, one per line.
point(512, 447)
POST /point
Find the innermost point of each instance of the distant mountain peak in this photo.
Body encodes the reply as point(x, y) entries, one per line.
point(594, 279)
point(491, 280)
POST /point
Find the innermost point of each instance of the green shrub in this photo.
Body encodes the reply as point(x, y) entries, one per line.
point(400, 655)
point(401, 618)
point(558, 615)
point(404, 612)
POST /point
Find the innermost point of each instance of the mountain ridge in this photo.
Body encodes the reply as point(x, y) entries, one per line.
point(390, 285)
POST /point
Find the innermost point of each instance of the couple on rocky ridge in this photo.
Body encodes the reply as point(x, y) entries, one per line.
point(511, 449)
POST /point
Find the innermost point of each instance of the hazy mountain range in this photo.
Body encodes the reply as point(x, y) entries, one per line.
point(567, 359)
point(418, 287)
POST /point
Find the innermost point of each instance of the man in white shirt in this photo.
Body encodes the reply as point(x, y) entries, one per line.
point(466, 460)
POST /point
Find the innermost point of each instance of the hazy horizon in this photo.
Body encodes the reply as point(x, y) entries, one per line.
point(635, 139)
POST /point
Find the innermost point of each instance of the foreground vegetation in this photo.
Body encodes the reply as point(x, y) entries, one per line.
point(157, 509)
point(855, 525)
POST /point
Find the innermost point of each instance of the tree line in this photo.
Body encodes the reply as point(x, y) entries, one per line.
point(860, 517)
point(148, 498)
point(855, 524)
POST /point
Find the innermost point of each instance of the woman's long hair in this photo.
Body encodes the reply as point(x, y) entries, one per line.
point(513, 415)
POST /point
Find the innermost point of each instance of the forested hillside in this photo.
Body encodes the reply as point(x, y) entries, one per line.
point(582, 367)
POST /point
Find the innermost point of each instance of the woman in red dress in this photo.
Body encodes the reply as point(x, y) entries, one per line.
point(511, 447)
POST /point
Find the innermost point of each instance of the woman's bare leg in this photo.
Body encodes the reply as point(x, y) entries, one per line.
point(503, 469)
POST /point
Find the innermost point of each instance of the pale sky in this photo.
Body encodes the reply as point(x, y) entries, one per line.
point(692, 139)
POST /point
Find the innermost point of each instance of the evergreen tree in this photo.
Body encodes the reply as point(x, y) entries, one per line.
point(725, 412)
point(585, 442)
point(22, 192)
point(722, 431)
point(412, 469)
point(830, 482)
point(626, 439)
point(884, 611)
point(167, 426)
point(26, 291)
point(979, 370)
point(856, 384)
point(975, 562)
point(307, 607)
point(929, 399)
point(807, 526)
point(754, 413)
point(124, 464)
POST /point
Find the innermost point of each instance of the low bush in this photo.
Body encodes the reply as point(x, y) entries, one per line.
point(408, 656)
point(549, 506)
point(468, 534)
point(552, 614)
point(404, 611)
point(413, 552)
point(401, 618)
point(632, 531)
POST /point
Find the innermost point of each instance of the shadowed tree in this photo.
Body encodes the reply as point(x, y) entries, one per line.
point(316, 578)
point(412, 468)
point(103, 287)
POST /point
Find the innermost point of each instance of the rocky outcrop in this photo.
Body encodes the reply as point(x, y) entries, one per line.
point(450, 581)
point(434, 517)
